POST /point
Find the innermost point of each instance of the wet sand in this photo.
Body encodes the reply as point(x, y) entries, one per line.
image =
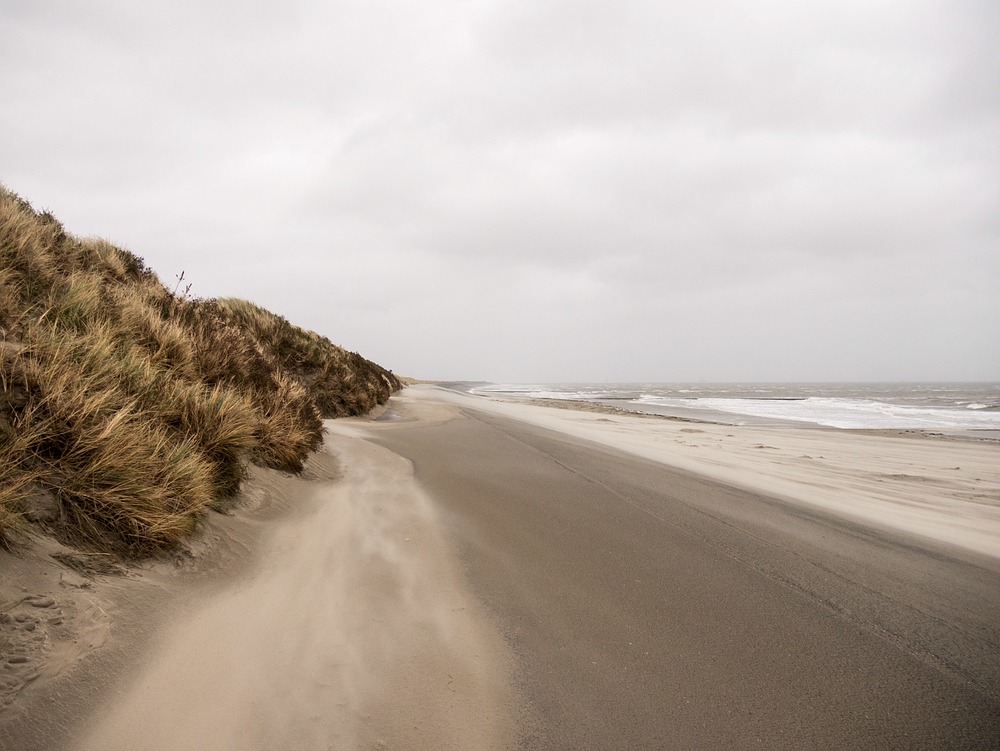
point(651, 607)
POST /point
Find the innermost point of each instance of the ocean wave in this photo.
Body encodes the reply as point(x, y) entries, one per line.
point(535, 391)
point(857, 405)
point(839, 413)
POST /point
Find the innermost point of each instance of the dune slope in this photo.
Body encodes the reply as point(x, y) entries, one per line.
point(127, 409)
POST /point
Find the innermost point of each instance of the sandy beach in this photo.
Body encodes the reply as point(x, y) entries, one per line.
point(457, 572)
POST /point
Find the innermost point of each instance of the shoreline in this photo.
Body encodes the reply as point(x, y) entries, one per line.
point(941, 486)
point(591, 397)
point(604, 408)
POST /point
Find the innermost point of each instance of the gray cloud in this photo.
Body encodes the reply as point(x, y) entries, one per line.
point(542, 190)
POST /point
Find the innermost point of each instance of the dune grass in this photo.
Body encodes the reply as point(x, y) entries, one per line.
point(126, 411)
point(340, 383)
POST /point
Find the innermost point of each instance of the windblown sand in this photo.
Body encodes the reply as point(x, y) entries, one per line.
point(354, 632)
point(352, 628)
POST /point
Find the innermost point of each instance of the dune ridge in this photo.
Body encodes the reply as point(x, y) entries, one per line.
point(127, 409)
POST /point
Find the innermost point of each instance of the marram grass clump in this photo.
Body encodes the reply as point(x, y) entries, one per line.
point(340, 383)
point(126, 410)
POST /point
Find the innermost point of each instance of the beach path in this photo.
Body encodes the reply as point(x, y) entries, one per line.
point(354, 630)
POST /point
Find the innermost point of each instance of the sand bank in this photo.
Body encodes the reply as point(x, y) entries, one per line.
point(943, 487)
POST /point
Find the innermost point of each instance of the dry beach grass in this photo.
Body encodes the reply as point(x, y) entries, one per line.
point(127, 410)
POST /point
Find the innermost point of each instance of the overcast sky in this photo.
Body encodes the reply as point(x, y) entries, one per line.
point(537, 190)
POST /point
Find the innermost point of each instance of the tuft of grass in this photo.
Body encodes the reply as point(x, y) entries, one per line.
point(133, 409)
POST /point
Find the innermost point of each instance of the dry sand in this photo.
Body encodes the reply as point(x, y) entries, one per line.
point(353, 632)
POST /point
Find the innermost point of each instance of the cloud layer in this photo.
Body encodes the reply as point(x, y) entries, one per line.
point(542, 190)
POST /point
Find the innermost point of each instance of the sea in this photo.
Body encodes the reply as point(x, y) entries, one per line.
point(971, 407)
